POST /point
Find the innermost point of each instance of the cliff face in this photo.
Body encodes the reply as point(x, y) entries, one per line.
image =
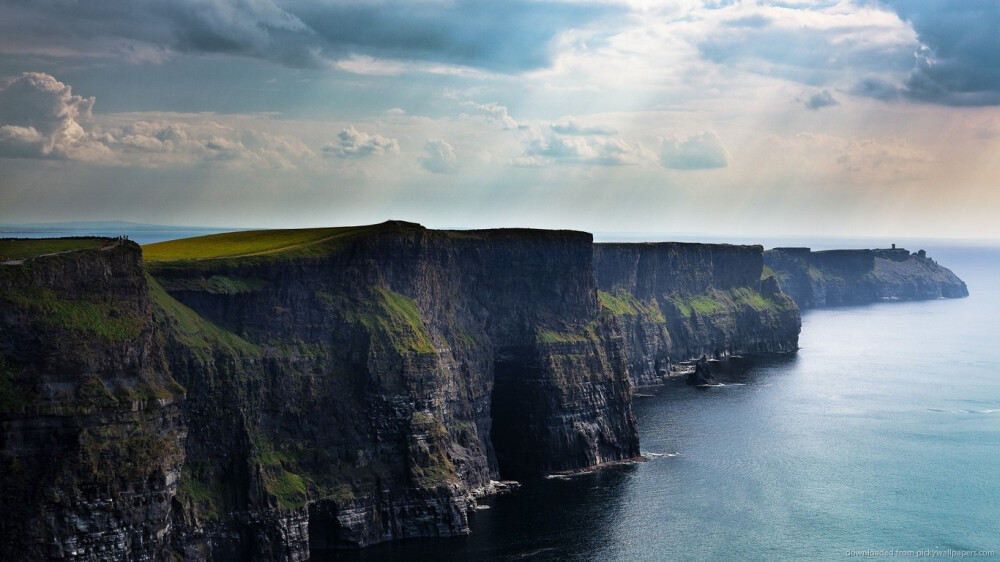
point(350, 387)
point(372, 391)
point(91, 440)
point(840, 277)
point(680, 301)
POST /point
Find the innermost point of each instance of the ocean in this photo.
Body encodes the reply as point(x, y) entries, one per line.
point(878, 439)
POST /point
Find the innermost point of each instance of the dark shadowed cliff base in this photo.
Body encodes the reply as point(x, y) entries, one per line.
point(263, 395)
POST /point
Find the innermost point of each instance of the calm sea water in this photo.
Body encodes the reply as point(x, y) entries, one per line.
point(139, 233)
point(881, 434)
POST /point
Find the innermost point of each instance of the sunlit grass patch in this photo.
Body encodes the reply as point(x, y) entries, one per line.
point(304, 241)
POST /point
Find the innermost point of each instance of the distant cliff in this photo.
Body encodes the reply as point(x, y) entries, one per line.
point(681, 301)
point(840, 277)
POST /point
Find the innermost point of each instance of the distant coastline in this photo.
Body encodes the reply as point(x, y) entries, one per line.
point(139, 232)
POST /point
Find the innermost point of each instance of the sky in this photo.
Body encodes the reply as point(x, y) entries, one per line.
point(751, 118)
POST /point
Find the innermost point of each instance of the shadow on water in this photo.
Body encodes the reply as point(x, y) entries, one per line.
point(578, 517)
point(547, 519)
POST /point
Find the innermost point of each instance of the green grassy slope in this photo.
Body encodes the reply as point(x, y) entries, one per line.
point(21, 248)
point(294, 242)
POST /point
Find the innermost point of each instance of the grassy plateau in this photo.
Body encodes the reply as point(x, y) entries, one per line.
point(301, 242)
point(22, 248)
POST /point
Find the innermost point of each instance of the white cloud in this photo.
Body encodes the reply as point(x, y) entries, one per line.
point(165, 143)
point(439, 157)
point(696, 152)
point(352, 143)
point(596, 150)
point(41, 118)
point(494, 113)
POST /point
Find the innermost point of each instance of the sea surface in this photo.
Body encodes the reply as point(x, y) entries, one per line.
point(878, 439)
point(138, 233)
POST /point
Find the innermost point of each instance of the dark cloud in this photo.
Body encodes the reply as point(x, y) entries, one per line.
point(820, 100)
point(698, 152)
point(960, 62)
point(875, 87)
point(510, 37)
point(809, 55)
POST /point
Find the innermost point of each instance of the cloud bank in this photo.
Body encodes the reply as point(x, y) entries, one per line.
point(957, 64)
point(40, 117)
point(506, 37)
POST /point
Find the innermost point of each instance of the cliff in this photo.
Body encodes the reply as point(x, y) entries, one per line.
point(266, 394)
point(841, 277)
point(680, 301)
point(262, 395)
point(385, 378)
point(91, 440)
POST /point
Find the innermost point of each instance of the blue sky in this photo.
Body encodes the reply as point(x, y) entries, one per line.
point(862, 117)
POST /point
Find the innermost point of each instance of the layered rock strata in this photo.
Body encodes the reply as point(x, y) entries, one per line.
point(366, 389)
point(680, 301)
point(91, 435)
point(384, 384)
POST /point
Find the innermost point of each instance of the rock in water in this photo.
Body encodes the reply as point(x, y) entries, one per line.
point(702, 373)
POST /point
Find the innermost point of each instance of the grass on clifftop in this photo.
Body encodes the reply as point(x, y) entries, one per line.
point(21, 248)
point(296, 242)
